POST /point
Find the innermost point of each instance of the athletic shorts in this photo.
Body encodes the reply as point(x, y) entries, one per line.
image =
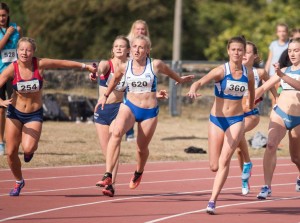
point(107, 115)
point(13, 113)
point(141, 114)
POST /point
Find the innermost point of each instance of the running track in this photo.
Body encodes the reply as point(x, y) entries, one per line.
point(169, 192)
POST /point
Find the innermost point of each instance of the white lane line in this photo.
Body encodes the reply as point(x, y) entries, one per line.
point(120, 199)
point(103, 164)
point(222, 206)
point(126, 173)
point(145, 182)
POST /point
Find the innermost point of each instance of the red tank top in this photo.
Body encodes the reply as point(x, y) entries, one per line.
point(34, 84)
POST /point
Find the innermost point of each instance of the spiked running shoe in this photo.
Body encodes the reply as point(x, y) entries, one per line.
point(247, 167)
point(135, 180)
point(264, 193)
point(211, 208)
point(28, 157)
point(298, 185)
point(245, 187)
point(106, 180)
point(108, 190)
point(17, 189)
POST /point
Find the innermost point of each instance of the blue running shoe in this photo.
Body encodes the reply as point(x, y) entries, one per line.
point(298, 185)
point(17, 189)
point(211, 208)
point(247, 167)
point(264, 193)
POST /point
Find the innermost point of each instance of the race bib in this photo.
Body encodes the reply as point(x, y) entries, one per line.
point(286, 86)
point(235, 88)
point(139, 85)
point(8, 55)
point(28, 86)
point(121, 85)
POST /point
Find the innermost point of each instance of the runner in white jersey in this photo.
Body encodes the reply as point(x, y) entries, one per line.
point(141, 105)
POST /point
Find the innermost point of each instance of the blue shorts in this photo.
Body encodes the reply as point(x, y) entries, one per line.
point(13, 113)
point(141, 114)
point(290, 121)
point(107, 115)
point(254, 111)
point(225, 122)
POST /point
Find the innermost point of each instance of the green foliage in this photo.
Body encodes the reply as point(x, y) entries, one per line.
point(78, 29)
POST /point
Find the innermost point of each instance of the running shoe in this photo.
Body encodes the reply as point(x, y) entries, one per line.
point(264, 193)
point(298, 185)
point(108, 190)
point(17, 189)
point(135, 180)
point(245, 187)
point(247, 167)
point(28, 157)
point(2, 149)
point(106, 180)
point(211, 208)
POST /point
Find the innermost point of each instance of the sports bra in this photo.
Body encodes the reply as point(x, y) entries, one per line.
point(105, 79)
point(230, 88)
point(34, 84)
point(293, 74)
point(145, 82)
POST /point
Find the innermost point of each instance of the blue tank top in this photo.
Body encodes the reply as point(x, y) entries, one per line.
point(9, 51)
point(144, 82)
point(230, 88)
point(295, 74)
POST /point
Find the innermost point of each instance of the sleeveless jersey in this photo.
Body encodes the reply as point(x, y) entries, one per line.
point(230, 88)
point(145, 82)
point(256, 80)
point(105, 79)
point(34, 84)
point(293, 74)
point(9, 52)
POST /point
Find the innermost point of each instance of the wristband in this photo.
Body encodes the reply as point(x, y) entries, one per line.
point(83, 66)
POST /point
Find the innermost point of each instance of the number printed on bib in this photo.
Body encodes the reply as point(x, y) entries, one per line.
point(8, 55)
point(28, 86)
point(286, 86)
point(235, 88)
point(139, 85)
point(121, 85)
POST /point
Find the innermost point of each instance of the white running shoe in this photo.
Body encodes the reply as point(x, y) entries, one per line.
point(245, 187)
point(264, 193)
point(211, 208)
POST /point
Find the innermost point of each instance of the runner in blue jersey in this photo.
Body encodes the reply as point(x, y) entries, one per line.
point(284, 117)
point(9, 36)
point(226, 125)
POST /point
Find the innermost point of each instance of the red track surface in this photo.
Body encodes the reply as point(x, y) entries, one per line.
point(169, 192)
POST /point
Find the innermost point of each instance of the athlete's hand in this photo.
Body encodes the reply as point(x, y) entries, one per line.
point(162, 94)
point(5, 103)
point(278, 70)
point(101, 102)
point(91, 68)
point(192, 92)
point(187, 78)
point(10, 30)
point(93, 77)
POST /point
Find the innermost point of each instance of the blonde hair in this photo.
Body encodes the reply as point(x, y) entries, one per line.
point(145, 38)
point(121, 37)
point(29, 40)
point(130, 35)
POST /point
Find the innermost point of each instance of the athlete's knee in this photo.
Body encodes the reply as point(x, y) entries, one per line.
point(12, 153)
point(296, 160)
point(29, 147)
point(214, 167)
point(117, 133)
point(271, 146)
